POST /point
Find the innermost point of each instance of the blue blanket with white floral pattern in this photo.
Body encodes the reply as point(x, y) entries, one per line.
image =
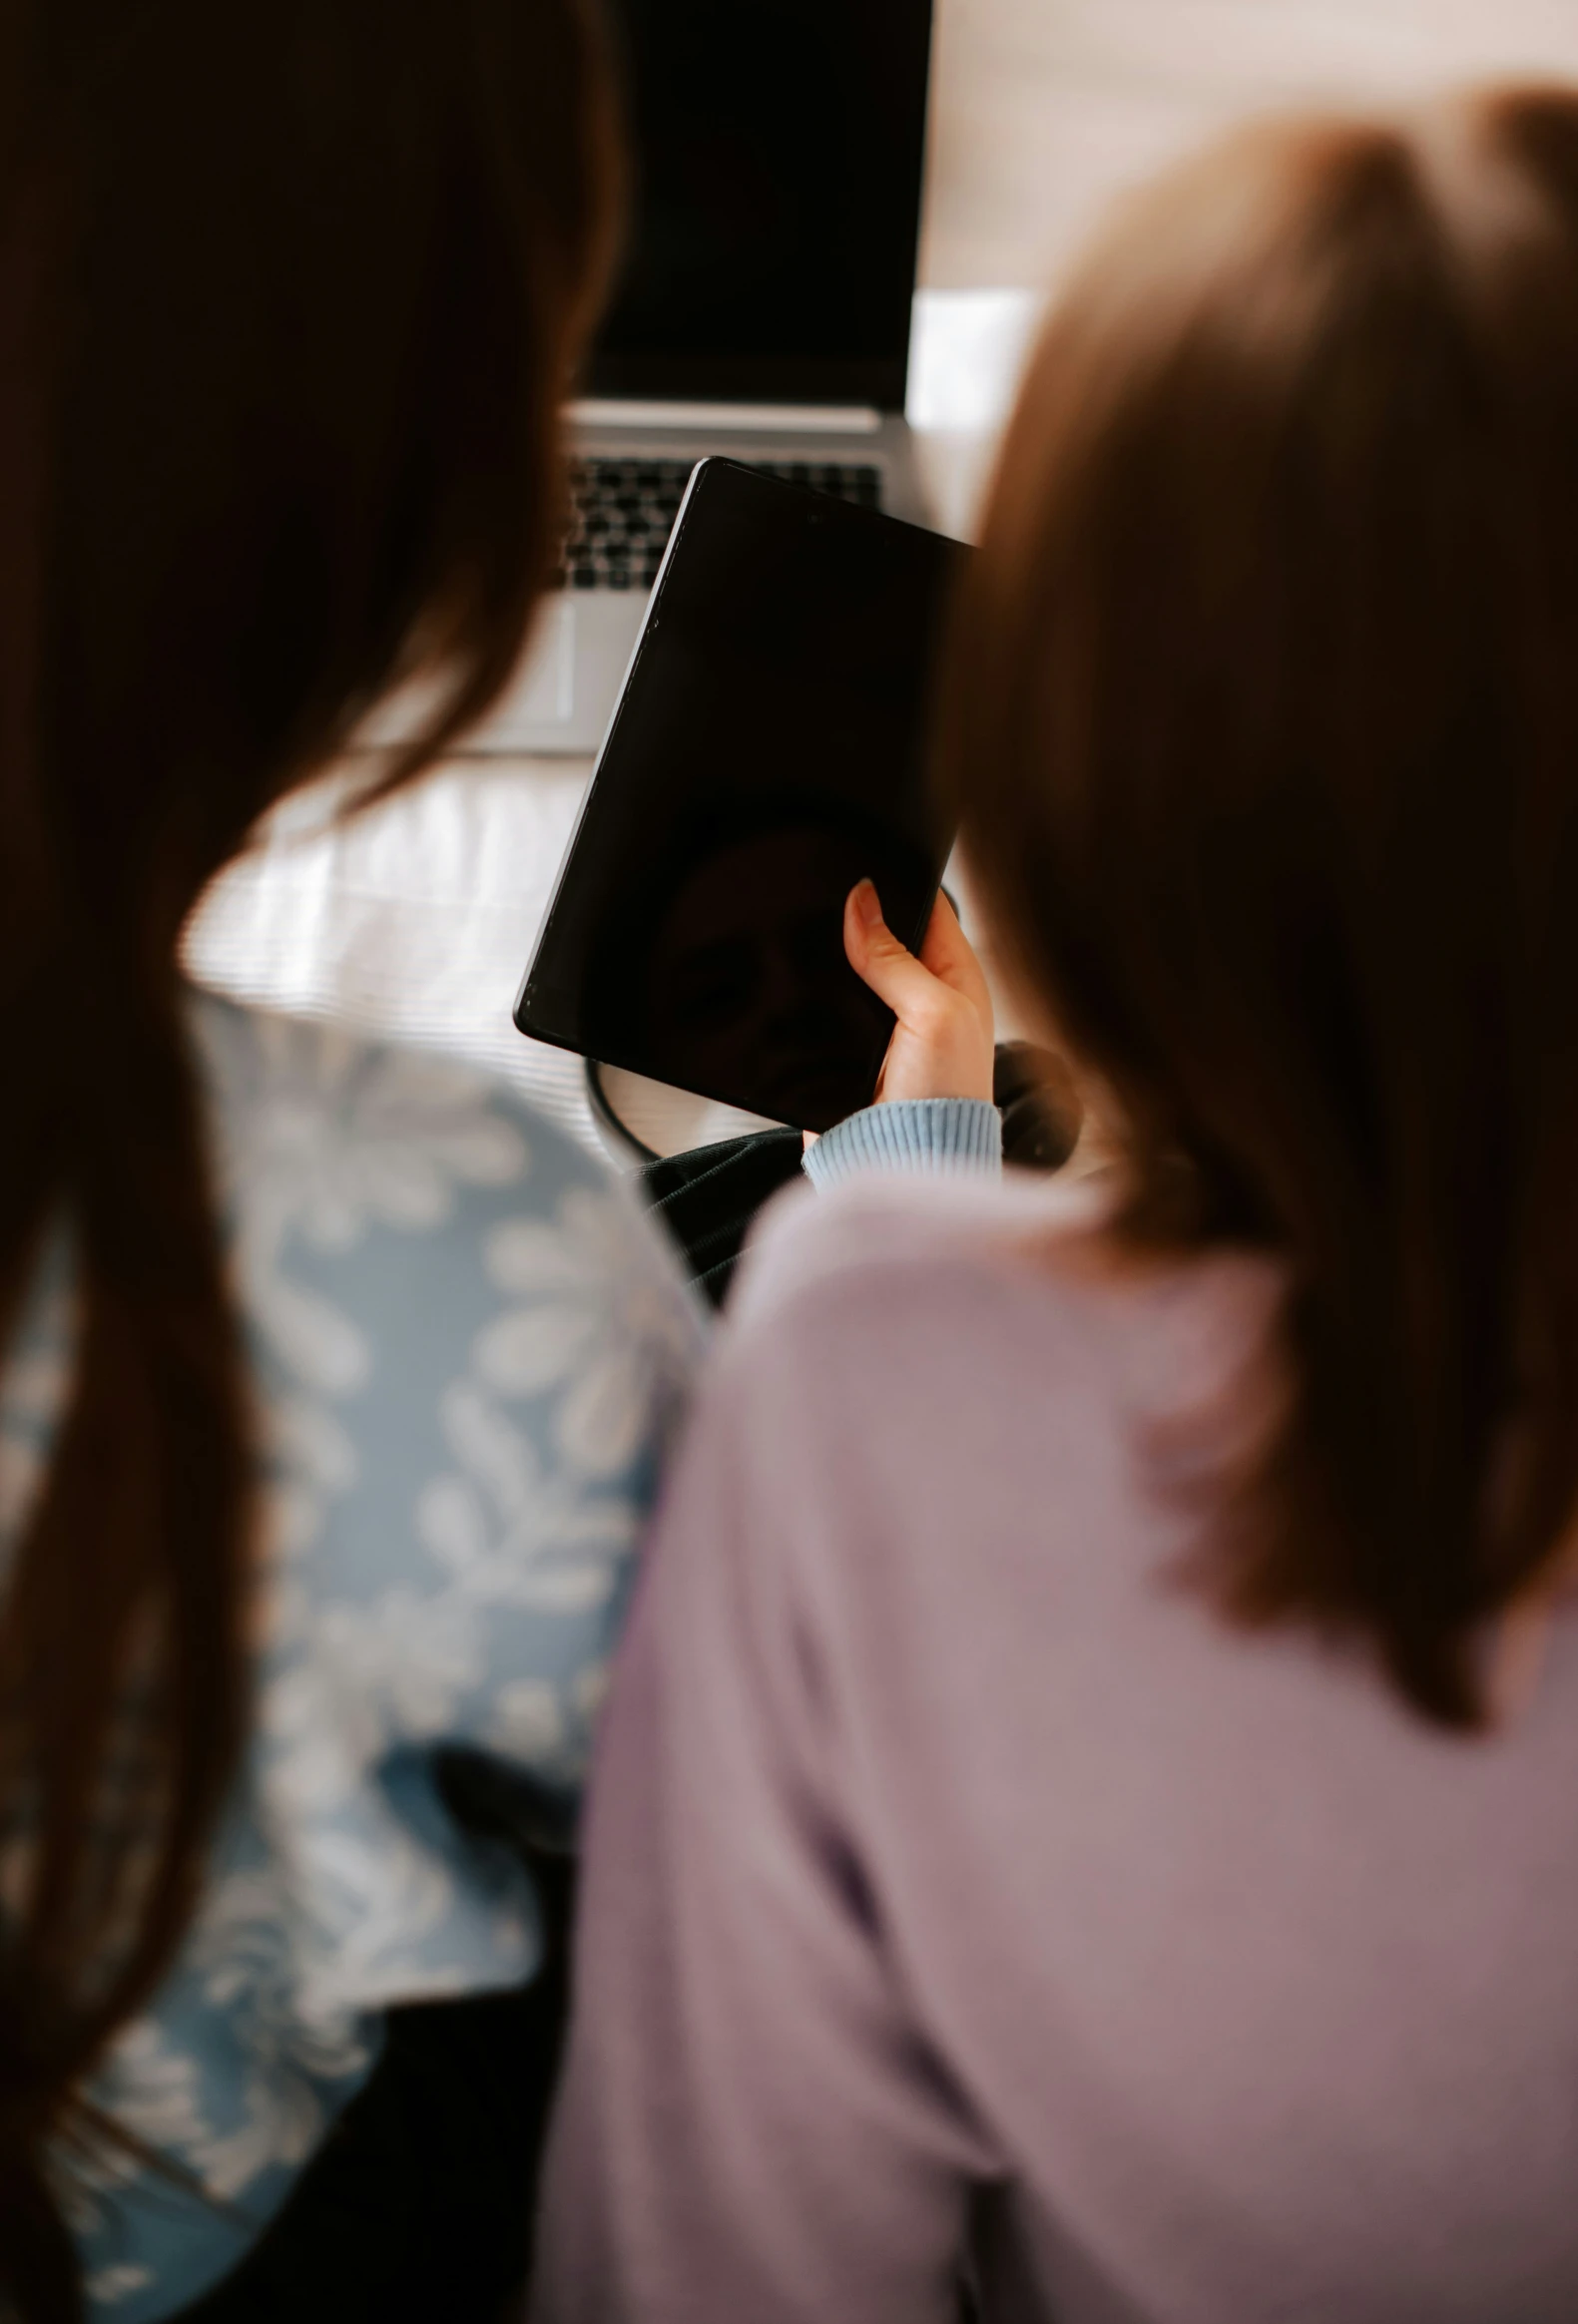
point(467, 1349)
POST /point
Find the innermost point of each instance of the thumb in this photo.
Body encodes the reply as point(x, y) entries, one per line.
point(948, 953)
point(881, 961)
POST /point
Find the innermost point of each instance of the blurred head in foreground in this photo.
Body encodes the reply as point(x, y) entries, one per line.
point(289, 292)
point(1264, 736)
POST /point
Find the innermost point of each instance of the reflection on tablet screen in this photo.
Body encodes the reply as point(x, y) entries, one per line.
point(746, 986)
point(767, 755)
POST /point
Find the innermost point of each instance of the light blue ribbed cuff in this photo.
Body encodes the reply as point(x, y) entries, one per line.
point(959, 1135)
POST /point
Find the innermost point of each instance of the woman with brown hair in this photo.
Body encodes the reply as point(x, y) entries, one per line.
point(289, 294)
point(1087, 1803)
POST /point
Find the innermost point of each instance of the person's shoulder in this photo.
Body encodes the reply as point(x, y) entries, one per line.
point(870, 1238)
point(978, 1285)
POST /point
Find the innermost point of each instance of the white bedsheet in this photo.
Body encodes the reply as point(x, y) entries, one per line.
point(414, 920)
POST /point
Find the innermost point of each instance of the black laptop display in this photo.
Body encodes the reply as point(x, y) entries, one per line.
point(778, 151)
point(767, 752)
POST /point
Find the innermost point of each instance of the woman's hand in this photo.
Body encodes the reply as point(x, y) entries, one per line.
point(942, 1044)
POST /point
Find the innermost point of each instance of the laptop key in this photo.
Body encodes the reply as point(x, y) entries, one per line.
point(624, 510)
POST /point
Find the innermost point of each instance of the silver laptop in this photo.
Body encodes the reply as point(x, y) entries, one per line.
point(762, 311)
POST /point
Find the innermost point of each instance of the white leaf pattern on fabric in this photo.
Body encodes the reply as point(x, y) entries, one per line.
point(594, 1311)
point(110, 2284)
point(406, 1660)
point(282, 2121)
point(527, 1721)
point(495, 1453)
point(322, 1347)
point(531, 1349)
point(467, 1351)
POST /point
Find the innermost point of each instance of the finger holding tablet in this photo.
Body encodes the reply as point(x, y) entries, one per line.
point(942, 1044)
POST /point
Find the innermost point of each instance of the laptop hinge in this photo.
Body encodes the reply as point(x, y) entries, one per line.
point(804, 418)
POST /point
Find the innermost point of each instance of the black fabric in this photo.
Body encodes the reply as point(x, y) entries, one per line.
point(708, 1198)
point(1034, 1091)
point(418, 2206)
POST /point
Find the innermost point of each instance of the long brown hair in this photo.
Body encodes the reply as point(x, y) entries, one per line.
point(1264, 734)
point(289, 292)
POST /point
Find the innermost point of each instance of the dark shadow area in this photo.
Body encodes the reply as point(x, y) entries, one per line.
point(418, 2208)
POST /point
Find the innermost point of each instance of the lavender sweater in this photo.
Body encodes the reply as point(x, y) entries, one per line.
point(957, 1879)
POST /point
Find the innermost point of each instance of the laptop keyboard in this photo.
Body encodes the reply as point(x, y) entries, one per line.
point(624, 511)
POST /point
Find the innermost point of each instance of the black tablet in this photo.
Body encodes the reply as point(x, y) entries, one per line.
point(767, 752)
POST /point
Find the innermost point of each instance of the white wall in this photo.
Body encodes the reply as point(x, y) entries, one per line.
point(1043, 109)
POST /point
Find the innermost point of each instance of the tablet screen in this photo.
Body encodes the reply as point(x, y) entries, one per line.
point(767, 752)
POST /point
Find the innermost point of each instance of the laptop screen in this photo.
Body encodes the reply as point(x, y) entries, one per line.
point(779, 148)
